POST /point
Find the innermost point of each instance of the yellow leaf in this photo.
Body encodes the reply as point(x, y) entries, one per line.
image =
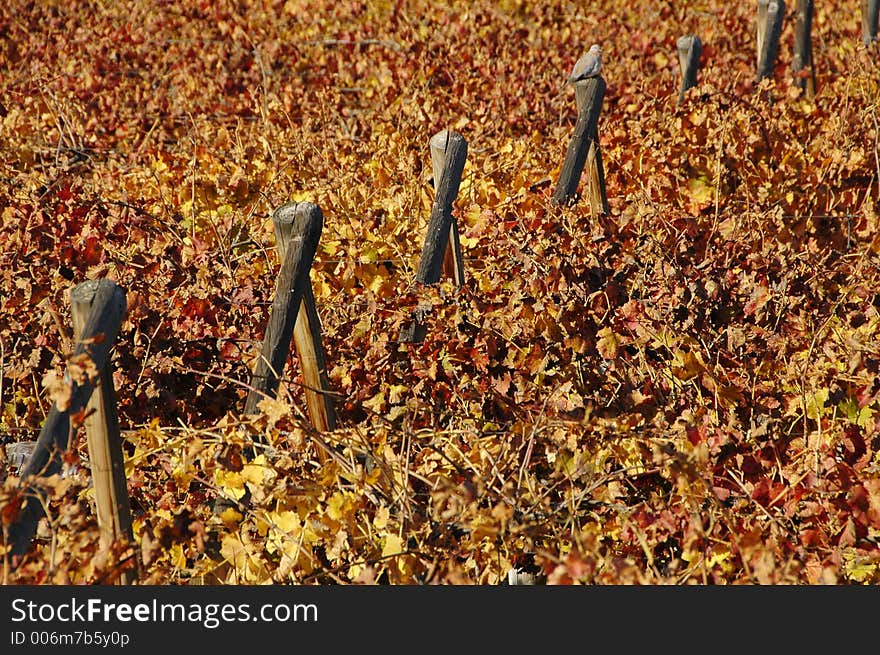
point(862, 417)
point(816, 404)
point(380, 521)
point(339, 505)
point(466, 242)
point(301, 196)
point(393, 545)
point(288, 522)
point(257, 473)
point(686, 365)
point(230, 483)
point(866, 417)
point(233, 551)
point(178, 559)
point(396, 392)
point(701, 191)
point(286, 533)
point(860, 568)
point(607, 343)
point(720, 554)
point(231, 517)
point(249, 569)
point(376, 403)
point(396, 412)
point(320, 288)
point(274, 409)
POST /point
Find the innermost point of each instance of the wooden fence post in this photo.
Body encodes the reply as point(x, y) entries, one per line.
point(803, 49)
point(307, 332)
point(762, 31)
point(584, 148)
point(440, 225)
point(102, 434)
point(453, 264)
point(870, 16)
point(293, 280)
point(689, 50)
point(95, 342)
point(769, 31)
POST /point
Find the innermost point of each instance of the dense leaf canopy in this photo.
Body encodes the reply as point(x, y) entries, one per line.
point(684, 390)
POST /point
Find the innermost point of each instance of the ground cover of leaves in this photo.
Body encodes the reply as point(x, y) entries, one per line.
point(684, 390)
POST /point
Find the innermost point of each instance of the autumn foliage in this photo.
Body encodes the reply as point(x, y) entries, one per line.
point(685, 390)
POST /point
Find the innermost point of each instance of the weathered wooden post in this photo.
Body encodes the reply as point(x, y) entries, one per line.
point(290, 289)
point(519, 577)
point(802, 61)
point(870, 16)
point(583, 148)
point(307, 333)
point(108, 306)
point(595, 170)
point(104, 441)
point(762, 31)
point(453, 264)
point(689, 50)
point(440, 225)
point(769, 31)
